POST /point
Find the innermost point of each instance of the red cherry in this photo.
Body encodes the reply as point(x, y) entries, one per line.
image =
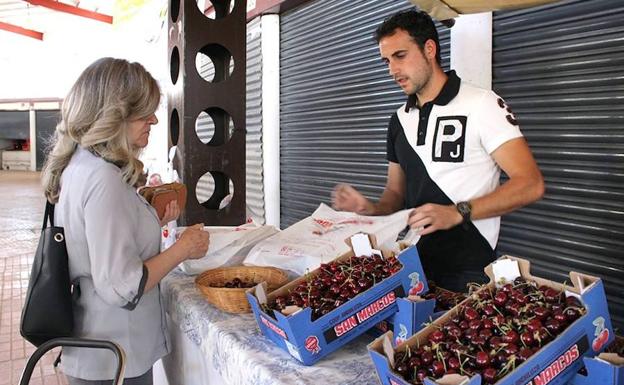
point(511, 337)
point(553, 326)
point(489, 375)
point(571, 313)
point(527, 339)
point(437, 368)
point(437, 336)
point(541, 313)
point(482, 359)
point(534, 325)
point(414, 362)
point(475, 324)
point(511, 349)
point(426, 358)
point(470, 314)
point(500, 299)
point(507, 288)
point(524, 354)
point(453, 363)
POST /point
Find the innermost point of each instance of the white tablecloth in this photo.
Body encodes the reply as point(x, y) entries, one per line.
point(214, 347)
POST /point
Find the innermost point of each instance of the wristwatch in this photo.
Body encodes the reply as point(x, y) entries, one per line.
point(465, 209)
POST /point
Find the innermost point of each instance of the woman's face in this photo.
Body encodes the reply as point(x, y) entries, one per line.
point(138, 131)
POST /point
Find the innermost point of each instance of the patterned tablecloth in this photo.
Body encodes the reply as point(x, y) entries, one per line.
point(237, 350)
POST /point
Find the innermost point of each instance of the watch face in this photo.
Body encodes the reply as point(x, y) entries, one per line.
point(464, 209)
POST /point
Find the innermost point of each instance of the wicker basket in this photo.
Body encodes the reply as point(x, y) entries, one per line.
point(233, 300)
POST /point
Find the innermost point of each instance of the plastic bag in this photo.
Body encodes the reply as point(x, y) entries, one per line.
point(228, 246)
point(320, 238)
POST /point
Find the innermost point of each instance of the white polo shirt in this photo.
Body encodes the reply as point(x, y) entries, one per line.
point(445, 147)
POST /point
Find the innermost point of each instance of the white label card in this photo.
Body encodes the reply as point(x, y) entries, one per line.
point(505, 270)
point(362, 246)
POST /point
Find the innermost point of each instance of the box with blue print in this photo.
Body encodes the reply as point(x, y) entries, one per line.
point(323, 310)
point(518, 329)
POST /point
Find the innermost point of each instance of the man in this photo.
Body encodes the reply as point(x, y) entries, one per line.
point(446, 146)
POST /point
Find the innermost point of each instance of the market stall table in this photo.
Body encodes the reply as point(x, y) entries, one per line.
point(214, 347)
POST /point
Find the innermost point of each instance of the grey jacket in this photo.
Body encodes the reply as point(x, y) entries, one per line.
point(110, 230)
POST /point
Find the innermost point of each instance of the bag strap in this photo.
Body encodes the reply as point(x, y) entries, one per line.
point(49, 213)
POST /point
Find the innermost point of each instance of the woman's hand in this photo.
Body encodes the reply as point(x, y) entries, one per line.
point(194, 241)
point(172, 212)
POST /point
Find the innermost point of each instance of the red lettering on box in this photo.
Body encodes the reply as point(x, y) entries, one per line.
point(557, 366)
point(273, 327)
point(376, 307)
point(345, 326)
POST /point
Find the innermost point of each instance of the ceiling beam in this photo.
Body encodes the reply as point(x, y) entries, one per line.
point(62, 7)
point(21, 30)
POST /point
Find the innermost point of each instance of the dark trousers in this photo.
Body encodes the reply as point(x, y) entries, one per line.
point(456, 257)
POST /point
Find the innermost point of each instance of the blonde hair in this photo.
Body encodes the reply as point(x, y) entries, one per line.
point(108, 95)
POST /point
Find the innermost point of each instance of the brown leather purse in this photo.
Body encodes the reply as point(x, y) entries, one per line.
point(160, 196)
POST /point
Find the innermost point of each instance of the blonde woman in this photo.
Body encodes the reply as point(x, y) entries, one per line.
point(112, 234)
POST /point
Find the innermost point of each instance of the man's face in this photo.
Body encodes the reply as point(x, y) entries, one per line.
point(408, 65)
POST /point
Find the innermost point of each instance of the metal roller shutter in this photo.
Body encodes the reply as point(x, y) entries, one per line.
point(205, 126)
point(336, 100)
point(561, 68)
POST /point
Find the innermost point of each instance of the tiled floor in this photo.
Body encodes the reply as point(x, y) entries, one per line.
point(21, 215)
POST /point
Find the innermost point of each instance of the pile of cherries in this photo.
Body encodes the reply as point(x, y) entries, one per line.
point(236, 283)
point(492, 333)
point(336, 282)
point(445, 299)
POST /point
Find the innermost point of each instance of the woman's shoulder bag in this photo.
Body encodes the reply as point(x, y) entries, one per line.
point(47, 312)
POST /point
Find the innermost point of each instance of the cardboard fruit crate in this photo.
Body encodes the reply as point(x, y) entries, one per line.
point(413, 314)
point(604, 369)
point(309, 340)
point(554, 364)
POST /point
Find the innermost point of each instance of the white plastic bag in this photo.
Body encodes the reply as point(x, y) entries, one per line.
point(320, 238)
point(228, 246)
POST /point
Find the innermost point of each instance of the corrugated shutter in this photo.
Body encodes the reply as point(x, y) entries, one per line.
point(336, 100)
point(255, 186)
point(561, 69)
point(205, 126)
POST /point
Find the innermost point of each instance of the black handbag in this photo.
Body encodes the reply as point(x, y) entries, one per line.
point(47, 311)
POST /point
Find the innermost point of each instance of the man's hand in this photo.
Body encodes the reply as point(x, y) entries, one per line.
point(346, 198)
point(432, 217)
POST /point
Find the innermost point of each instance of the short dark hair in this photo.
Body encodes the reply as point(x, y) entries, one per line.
point(418, 24)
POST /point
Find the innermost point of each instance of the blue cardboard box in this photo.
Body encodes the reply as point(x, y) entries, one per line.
point(411, 316)
point(308, 341)
point(555, 364)
point(606, 369)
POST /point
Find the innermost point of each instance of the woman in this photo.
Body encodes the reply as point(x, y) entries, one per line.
point(112, 234)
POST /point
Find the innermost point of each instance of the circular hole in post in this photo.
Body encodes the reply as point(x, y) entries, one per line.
point(174, 10)
point(174, 64)
point(217, 9)
point(214, 63)
point(174, 127)
point(214, 126)
point(214, 190)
